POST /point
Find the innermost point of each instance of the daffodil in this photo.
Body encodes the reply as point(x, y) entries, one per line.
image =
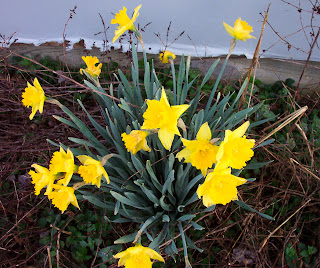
point(160, 115)
point(34, 96)
point(136, 141)
point(219, 187)
point(92, 170)
point(92, 69)
point(41, 178)
point(138, 256)
point(164, 56)
point(62, 196)
point(240, 31)
point(63, 162)
point(125, 23)
point(235, 150)
point(200, 152)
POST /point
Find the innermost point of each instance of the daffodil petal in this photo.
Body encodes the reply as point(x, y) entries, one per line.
point(240, 131)
point(204, 132)
point(153, 254)
point(166, 138)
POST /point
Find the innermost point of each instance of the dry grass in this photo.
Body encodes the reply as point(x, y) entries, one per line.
point(235, 238)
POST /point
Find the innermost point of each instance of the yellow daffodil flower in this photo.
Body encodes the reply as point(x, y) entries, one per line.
point(34, 97)
point(235, 149)
point(62, 196)
point(219, 187)
point(41, 178)
point(164, 56)
point(91, 69)
point(63, 162)
point(125, 23)
point(138, 256)
point(160, 115)
point(240, 31)
point(92, 170)
point(136, 141)
point(200, 153)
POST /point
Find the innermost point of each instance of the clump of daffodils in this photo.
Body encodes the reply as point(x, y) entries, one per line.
point(57, 178)
point(157, 157)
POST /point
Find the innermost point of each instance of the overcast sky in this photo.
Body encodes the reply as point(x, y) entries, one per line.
point(38, 21)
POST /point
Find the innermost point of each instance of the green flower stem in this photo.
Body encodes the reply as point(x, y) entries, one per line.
point(53, 101)
point(174, 83)
point(138, 34)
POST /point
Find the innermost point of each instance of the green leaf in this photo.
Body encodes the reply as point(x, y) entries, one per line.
point(192, 245)
point(126, 238)
point(257, 165)
point(94, 200)
point(247, 207)
point(65, 121)
point(191, 184)
point(196, 226)
point(153, 176)
point(265, 143)
point(128, 202)
point(116, 208)
point(156, 241)
point(186, 217)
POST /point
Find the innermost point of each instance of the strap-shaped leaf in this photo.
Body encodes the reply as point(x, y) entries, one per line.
point(126, 87)
point(94, 200)
point(190, 185)
point(75, 151)
point(161, 236)
point(164, 205)
point(186, 217)
point(126, 238)
point(116, 208)
point(129, 202)
point(153, 176)
point(192, 199)
point(196, 226)
point(148, 193)
point(169, 165)
point(247, 207)
point(147, 223)
point(265, 143)
point(182, 70)
point(168, 182)
point(124, 106)
point(213, 92)
point(182, 180)
point(101, 130)
point(83, 128)
point(65, 121)
point(147, 84)
point(191, 244)
point(257, 165)
point(174, 84)
point(185, 91)
point(184, 244)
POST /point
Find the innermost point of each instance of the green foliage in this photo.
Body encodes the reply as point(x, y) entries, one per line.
point(301, 255)
point(81, 236)
point(158, 196)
